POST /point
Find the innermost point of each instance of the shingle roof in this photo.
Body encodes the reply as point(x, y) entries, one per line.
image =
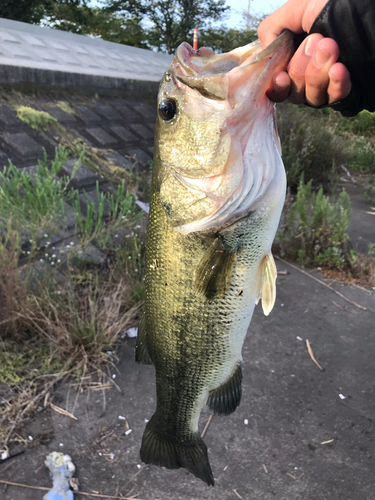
point(33, 47)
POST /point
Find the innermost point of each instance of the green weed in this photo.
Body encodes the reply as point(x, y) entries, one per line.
point(34, 118)
point(314, 231)
point(35, 201)
point(106, 215)
point(363, 124)
point(363, 156)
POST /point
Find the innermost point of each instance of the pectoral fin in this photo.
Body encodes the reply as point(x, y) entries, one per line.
point(266, 283)
point(215, 271)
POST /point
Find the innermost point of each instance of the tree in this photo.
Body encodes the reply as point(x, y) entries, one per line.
point(223, 39)
point(77, 17)
point(172, 21)
point(27, 11)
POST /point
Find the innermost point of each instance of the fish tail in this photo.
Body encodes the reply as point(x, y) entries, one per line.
point(159, 448)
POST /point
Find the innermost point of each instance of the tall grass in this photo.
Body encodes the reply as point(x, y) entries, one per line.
point(66, 301)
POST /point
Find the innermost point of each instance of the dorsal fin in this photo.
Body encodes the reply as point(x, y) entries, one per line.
point(266, 283)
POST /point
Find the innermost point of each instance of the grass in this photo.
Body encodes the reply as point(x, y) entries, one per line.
point(313, 231)
point(59, 312)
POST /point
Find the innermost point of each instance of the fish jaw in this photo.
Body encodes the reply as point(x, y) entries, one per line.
point(230, 150)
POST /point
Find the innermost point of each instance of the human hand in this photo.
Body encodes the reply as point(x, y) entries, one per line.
point(313, 74)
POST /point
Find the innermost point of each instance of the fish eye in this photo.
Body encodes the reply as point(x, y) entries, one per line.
point(167, 109)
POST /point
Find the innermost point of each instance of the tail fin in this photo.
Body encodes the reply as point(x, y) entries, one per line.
point(161, 449)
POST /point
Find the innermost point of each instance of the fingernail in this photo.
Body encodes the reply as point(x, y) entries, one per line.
point(321, 57)
point(310, 45)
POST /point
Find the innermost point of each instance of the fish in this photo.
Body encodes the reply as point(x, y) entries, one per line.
point(217, 191)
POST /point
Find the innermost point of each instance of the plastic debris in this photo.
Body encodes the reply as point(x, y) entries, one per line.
point(128, 432)
point(132, 332)
point(120, 417)
point(144, 206)
point(61, 470)
point(4, 455)
point(341, 396)
point(246, 422)
point(298, 337)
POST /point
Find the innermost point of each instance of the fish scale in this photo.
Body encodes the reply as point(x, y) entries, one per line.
point(202, 285)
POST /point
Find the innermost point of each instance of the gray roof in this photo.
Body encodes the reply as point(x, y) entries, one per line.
point(28, 46)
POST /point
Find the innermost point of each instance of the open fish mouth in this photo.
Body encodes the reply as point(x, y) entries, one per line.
point(229, 122)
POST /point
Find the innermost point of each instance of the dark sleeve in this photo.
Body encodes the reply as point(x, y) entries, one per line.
point(351, 23)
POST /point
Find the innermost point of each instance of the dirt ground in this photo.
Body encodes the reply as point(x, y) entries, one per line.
point(299, 434)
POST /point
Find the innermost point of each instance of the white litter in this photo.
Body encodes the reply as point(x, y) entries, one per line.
point(128, 432)
point(298, 337)
point(246, 422)
point(61, 444)
point(111, 456)
point(30, 438)
point(341, 396)
point(4, 455)
point(114, 375)
point(132, 332)
point(120, 417)
point(139, 466)
point(146, 420)
point(61, 469)
point(144, 206)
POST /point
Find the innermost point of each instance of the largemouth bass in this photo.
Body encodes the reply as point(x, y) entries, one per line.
point(218, 188)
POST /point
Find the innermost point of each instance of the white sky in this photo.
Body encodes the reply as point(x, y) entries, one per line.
point(256, 7)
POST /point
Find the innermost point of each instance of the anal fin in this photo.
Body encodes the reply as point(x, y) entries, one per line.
point(141, 351)
point(266, 283)
point(225, 399)
point(215, 271)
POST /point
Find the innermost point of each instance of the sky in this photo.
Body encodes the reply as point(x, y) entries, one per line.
point(256, 7)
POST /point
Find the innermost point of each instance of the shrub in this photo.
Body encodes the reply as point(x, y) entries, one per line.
point(309, 145)
point(363, 156)
point(313, 230)
point(362, 124)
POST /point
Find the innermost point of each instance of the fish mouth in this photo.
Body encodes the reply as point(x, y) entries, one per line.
point(229, 185)
point(216, 76)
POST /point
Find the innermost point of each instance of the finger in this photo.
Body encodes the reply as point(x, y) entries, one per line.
point(280, 87)
point(325, 56)
point(298, 65)
point(288, 16)
point(340, 84)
